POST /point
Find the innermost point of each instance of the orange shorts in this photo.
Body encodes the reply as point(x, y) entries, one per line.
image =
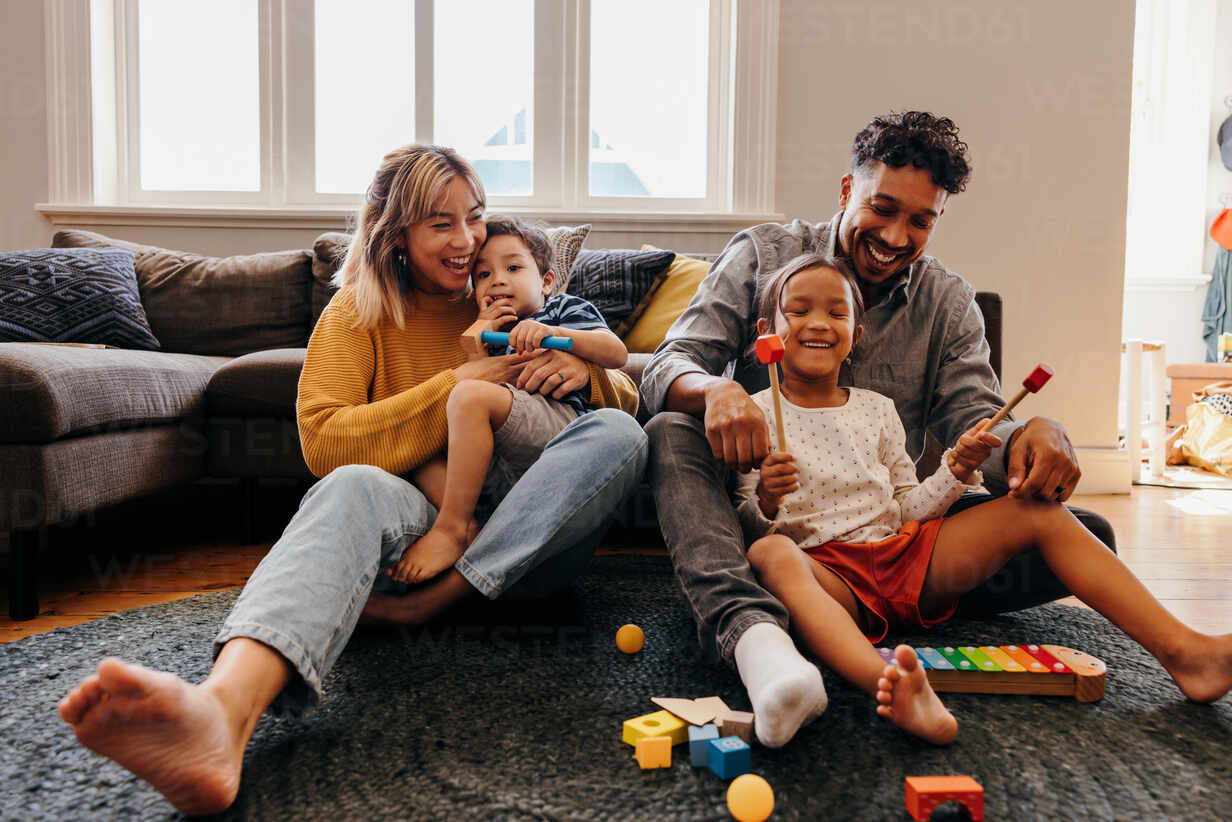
point(888, 576)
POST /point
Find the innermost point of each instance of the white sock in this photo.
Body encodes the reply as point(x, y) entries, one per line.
point(785, 688)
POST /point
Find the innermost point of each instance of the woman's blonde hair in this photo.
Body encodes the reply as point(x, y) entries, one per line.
point(409, 181)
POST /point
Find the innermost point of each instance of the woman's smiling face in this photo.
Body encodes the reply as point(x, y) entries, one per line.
point(442, 248)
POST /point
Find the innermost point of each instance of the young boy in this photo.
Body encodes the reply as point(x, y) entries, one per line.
point(496, 431)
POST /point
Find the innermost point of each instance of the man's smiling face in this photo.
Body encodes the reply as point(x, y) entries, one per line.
point(888, 217)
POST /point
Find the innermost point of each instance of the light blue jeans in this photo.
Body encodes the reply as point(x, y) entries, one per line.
point(306, 596)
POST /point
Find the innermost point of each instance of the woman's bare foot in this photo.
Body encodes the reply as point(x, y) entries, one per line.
point(1201, 668)
point(908, 700)
point(418, 605)
point(176, 736)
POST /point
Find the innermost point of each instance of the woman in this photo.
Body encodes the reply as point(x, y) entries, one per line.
point(379, 368)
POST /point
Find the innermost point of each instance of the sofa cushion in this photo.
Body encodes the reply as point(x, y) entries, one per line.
point(78, 295)
point(54, 391)
point(616, 280)
point(261, 384)
point(217, 305)
point(666, 303)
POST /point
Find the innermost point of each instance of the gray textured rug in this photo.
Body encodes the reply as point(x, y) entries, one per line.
point(515, 714)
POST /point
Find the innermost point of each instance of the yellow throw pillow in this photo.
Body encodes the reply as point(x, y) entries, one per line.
point(669, 302)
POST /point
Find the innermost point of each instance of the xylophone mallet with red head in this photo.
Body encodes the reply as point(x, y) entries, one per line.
point(1033, 383)
point(770, 351)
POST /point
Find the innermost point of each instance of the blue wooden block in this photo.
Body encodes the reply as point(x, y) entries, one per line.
point(729, 757)
point(699, 740)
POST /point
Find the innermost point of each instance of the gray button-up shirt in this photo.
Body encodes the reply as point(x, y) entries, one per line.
point(923, 344)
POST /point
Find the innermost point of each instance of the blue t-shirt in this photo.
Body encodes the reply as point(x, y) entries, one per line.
point(565, 311)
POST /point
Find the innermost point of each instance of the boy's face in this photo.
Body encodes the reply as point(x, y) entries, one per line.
point(505, 270)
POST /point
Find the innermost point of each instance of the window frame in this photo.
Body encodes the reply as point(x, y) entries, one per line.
point(740, 150)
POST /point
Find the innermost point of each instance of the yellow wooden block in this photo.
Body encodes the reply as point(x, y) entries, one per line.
point(659, 723)
point(653, 752)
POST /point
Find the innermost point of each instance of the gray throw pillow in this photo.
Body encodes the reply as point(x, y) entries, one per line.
point(616, 281)
point(225, 306)
point(76, 295)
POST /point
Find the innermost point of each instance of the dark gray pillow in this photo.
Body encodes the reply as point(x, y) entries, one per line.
point(72, 295)
point(615, 281)
point(217, 305)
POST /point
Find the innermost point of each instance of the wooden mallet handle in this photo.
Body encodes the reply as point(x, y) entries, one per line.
point(770, 351)
point(1033, 383)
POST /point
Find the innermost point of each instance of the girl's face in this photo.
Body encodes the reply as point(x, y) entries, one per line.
point(816, 320)
point(442, 248)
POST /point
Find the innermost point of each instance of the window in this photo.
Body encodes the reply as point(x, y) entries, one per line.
point(562, 105)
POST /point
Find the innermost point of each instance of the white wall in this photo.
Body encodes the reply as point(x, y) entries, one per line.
point(1041, 92)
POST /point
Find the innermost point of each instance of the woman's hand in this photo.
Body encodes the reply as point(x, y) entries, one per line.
point(779, 478)
point(553, 373)
point(493, 369)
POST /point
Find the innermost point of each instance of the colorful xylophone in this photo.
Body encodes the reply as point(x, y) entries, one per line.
point(1012, 669)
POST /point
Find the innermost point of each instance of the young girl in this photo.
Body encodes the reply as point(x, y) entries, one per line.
point(378, 374)
point(852, 545)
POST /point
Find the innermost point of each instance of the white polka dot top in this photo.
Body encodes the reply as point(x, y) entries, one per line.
point(857, 483)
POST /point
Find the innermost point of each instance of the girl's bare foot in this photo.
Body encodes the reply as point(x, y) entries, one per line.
point(176, 736)
point(1202, 668)
point(418, 605)
point(908, 700)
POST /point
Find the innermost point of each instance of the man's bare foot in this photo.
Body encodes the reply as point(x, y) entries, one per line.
point(174, 735)
point(1202, 668)
point(907, 700)
point(419, 604)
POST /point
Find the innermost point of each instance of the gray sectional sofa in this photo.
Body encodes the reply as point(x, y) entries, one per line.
point(84, 428)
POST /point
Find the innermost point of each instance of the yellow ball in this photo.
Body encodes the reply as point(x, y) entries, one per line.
point(750, 798)
point(630, 639)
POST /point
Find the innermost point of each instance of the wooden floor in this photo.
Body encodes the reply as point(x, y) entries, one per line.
point(1179, 542)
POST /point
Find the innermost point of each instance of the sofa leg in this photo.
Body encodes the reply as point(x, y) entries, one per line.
point(248, 487)
point(23, 572)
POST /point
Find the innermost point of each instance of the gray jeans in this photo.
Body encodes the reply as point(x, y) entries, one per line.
point(305, 597)
point(706, 543)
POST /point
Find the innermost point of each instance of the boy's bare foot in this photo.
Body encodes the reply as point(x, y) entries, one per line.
point(174, 735)
point(1202, 669)
point(435, 551)
point(908, 700)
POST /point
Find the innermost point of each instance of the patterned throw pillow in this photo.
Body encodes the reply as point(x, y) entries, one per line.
point(77, 295)
point(616, 281)
point(566, 242)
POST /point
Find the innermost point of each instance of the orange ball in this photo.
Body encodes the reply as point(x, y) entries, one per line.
point(630, 639)
point(750, 798)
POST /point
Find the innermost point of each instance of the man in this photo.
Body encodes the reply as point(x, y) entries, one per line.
point(923, 346)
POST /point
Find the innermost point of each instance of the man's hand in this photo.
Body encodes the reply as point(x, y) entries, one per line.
point(778, 479)
point(526, 335)
point(1042, 462)
point(972, 448)
point(735, 427)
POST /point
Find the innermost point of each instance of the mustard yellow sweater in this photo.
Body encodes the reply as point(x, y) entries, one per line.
point(378, 397)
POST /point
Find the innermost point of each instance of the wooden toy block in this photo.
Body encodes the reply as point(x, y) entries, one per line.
point(729, 756)
point(712, 703)
point(659, 723)
point(686, 709)
point(925, 793)
point(770, 350)
point(1033, 383)
point(653, 752)
point(737, 723)
point(1048, 670)
point(699, 744)
point(469, 339)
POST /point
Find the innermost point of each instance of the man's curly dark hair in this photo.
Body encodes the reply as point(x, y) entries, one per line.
point(919, 139)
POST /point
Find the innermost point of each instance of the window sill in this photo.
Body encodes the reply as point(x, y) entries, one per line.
point(337, 219)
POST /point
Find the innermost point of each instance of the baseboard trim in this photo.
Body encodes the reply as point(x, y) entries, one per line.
point(1104, 471)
